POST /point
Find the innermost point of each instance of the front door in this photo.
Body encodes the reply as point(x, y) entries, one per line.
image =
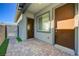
point(30, 28)
point(64, 25)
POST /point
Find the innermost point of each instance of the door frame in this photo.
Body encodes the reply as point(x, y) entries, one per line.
point(27, 27)
point(53, 14)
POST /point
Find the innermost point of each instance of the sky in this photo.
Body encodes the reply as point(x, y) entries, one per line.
point(7, 12)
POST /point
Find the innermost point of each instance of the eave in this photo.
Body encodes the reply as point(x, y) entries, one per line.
point(21, 8)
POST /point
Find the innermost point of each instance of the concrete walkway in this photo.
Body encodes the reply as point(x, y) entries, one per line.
point(32, 47)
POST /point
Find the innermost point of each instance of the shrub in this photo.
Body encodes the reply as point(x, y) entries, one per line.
point(18, 39)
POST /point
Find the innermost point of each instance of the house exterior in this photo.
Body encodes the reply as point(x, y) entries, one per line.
point(54, 23)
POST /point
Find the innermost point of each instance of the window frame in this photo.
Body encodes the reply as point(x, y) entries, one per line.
point(37, 21)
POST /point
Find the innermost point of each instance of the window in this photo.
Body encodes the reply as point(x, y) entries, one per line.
point(44, 23)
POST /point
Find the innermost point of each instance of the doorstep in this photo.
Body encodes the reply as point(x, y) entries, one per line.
point(65, 49)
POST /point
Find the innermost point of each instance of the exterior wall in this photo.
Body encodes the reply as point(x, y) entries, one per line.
point(78, 29)
point(11, 31)
point(22, 24)
point(2, 33)
point(44, 36)
point(47, 37)
point(22, 28)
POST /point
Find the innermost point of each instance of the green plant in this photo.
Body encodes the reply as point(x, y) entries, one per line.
point(18, 39)
point(3, 47)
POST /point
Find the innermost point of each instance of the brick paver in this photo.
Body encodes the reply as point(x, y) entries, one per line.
point(33, 47)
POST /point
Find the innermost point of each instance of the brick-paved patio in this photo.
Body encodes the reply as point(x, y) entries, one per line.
point(32, 47)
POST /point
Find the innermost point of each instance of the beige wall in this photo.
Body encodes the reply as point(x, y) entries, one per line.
point(2, 33)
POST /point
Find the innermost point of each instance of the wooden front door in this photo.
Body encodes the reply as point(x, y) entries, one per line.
point(64, 25)
point(30, 28)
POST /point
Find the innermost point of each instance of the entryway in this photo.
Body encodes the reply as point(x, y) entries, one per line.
point(64, 26)
point(30, 28)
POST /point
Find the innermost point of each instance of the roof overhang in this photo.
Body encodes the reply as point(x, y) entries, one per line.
point(20, 9)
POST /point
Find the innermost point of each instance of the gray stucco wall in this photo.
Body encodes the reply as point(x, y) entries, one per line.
point(22, 24)
point(51, 39)
point(22, 28)
point(78, 28)
point(47, 37)
point(78, 40)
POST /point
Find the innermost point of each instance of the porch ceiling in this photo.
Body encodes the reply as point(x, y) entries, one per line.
point(36, 7)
